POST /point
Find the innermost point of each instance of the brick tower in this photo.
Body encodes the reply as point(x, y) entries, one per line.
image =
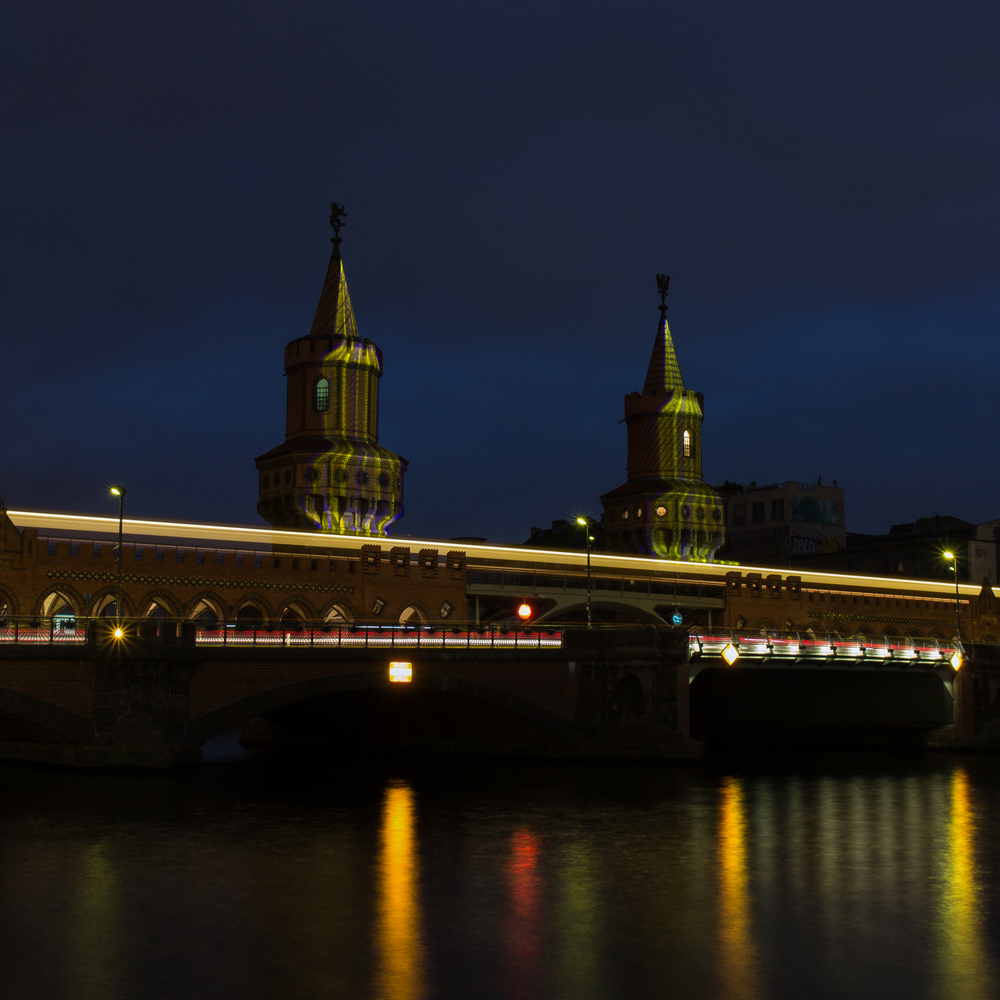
point(330, 474)
point(664, 509)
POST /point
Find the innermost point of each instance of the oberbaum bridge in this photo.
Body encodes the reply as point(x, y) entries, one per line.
point(131, 643)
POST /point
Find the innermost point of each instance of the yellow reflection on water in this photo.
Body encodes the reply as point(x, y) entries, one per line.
point(738, 962)
point(95, 933)
point(579, 952)
point(399, 939)
point(965, 970)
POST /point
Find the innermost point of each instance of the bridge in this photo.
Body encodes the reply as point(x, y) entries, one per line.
point(79, 695)
point(226, 625)
point(187, 569)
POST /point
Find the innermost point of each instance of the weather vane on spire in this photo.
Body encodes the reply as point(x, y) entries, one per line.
point(662, 284)
point(337, 215)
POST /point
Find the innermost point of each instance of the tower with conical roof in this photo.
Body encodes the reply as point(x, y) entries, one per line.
point(664, 508)
point(331, 474)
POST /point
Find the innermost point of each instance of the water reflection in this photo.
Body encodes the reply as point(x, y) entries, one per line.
point(738, 962)
point(95, 953)
point(842, 880)
point(965, 969)
point(579, 971)
point(524, 922)
point(399, 933)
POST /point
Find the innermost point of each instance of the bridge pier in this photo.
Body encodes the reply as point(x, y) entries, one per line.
point(977, 699)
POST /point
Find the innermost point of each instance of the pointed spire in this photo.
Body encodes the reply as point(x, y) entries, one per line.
point(334, 315)
point(663, 372)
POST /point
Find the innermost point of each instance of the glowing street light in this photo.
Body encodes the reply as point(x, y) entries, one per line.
point(119, 491)
point(586, 531)
point(958, 604)
point(524, 612)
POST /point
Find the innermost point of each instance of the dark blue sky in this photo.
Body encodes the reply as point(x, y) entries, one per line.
point(821, 182)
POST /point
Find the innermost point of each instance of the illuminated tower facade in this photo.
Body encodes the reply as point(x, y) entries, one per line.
point(331, 474)
point(664, 509)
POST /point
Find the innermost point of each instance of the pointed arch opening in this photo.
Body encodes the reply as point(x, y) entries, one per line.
point(321, 395)
point(249, 614)
point(293, 615)
point(412, 615)
point(206, 614)
point(58, 605)
point(338, 615)
point(686, 444)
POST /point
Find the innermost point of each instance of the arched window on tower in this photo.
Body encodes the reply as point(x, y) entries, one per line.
point(686, 444)
point(321, 397)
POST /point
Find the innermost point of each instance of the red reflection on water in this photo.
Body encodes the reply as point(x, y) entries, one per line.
point(523, 923)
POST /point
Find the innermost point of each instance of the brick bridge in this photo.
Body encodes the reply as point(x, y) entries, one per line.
point(154, 698)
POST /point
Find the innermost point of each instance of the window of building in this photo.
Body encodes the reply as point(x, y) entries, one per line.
point(757, 511)
point(740, 513)
point(686, 444)
point(777, 510)
point(321, 397)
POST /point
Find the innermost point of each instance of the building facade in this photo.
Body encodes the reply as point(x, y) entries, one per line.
point(331, 474)
point(53, 576)
point(775, 525)
point(664, 508)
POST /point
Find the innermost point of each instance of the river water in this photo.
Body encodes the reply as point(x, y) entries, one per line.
point(758, 877)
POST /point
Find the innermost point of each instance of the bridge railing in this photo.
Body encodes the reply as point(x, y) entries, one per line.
point(70, 630)
point(43, 630)
point(821, 646)
point(376, 637)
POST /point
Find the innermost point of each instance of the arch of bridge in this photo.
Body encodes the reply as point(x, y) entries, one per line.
point(236, 713)
point(571, 605)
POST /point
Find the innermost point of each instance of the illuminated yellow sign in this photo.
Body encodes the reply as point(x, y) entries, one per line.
point(401, 673)
point(730, 653)
point(956, 659)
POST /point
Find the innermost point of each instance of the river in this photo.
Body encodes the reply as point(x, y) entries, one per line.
point(744, 878)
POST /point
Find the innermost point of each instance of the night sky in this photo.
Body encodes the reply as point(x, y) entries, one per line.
point(821, 182)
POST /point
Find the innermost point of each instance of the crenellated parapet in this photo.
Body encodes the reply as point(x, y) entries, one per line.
point(49, 576)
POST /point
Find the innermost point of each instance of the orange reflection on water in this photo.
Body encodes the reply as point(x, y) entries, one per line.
point(966, 972)
point(399, 939)
point(738, 963)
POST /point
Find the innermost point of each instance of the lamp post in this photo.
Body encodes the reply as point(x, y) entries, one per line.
point(586, 533)
point(119, 491)
point(958, 605)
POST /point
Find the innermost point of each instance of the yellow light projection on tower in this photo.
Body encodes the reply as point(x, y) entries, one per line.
point(331, 474)
point(665, 509)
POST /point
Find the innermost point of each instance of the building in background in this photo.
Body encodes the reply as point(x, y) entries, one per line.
point(916, 550)
point(776, 525)
point(664, 508)
point(331, 474)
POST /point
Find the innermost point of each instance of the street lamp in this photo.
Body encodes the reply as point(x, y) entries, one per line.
point(119, 491)
point(586, 531)
point(958, 605)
